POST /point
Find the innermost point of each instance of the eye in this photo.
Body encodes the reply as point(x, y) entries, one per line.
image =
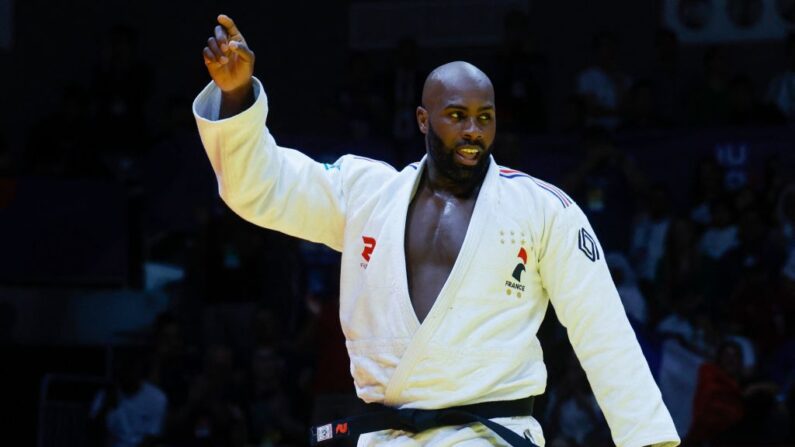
point(485, 117)
point(456, 115)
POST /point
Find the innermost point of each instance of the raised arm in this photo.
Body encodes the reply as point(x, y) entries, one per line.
point(268, 185)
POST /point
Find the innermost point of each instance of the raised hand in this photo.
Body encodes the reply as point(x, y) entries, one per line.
point(229, 60)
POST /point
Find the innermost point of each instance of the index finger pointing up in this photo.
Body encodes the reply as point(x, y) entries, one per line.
point(230, 26)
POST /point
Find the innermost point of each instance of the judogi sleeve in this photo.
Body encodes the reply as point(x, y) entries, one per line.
point(575, 275)
point(270, 186)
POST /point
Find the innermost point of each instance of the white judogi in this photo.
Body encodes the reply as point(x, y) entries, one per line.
point(478, 343)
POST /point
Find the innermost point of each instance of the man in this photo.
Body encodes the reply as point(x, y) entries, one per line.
point(602, 85)
point(130, 412)
point(447, 265)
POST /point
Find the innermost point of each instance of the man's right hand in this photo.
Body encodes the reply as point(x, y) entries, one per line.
point(231, 65)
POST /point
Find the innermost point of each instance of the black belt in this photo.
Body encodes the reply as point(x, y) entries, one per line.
point(380, 417)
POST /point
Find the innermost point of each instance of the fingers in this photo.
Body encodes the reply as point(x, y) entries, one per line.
point(209, 57)
point(217, 55)
point(230, 26)
point(242, 50)
point(226, 42)
point(221, 38)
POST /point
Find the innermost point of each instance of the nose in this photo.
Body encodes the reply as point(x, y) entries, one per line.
point(473, 131)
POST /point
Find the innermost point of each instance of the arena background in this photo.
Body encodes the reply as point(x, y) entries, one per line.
point(115, 250)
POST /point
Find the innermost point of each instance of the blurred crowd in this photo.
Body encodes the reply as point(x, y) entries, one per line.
point(251, 351)
point(709, 289)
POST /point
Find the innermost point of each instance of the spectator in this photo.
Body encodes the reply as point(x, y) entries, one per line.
point(171, 366)
point(575, 115)
point(785, 214)
point(573, 412)
point(679, 268)
point(755, 263)
point(631, 297)
point(684, 323)
point(708, 187)
point(757, 249)
point(177, 180)
point(733, 407)
point(603, 85)
point(765, 418)
point(271, 415)
point(649, 234)
point(781, 365)
point(666, 77)
point(131, 411)
point(235, 260)
point(775, 179)
point(213, 414)
point(745, 109)
point(640, 109)
point(363, 106)
point(519, 76)
point(721, 235)
point(718, 404)
point(781, 90)
point(606, 185)
point(403, 88)
point(787, 275)
point(710, 100)
point(123, 84)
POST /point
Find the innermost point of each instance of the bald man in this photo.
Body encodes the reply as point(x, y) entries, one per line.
point(448, 266)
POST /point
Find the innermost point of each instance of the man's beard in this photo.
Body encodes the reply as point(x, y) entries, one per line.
point(443, 158)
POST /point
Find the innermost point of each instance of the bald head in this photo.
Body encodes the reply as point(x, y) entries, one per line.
point(458, 119)
point(454, 78)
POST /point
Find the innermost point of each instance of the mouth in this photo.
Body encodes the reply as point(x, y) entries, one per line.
point(468, 155)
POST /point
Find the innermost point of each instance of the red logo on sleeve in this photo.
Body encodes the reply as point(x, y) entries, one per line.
point(369, 246)
point(341, 428)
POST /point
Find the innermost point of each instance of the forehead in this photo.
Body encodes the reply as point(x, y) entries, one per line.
point(461, 91)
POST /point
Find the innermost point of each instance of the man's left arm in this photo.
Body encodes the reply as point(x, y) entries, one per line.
point(575, 275)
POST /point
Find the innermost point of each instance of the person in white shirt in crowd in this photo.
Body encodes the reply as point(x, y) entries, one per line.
point(132, 410)
point(603, 85)
point(650, 233)
point(721, 236)
point(627, 285)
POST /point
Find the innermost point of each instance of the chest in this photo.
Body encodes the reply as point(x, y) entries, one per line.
point(435, 232)
point(406, 259)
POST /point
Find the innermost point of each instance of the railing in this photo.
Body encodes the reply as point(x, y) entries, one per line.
point(63, 419)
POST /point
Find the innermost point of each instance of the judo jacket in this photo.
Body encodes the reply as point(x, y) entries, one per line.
point(527, 244)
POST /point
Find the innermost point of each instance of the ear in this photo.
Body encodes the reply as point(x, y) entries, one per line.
point(422, 119)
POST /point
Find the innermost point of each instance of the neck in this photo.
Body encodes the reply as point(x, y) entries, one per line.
point(439, 183)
